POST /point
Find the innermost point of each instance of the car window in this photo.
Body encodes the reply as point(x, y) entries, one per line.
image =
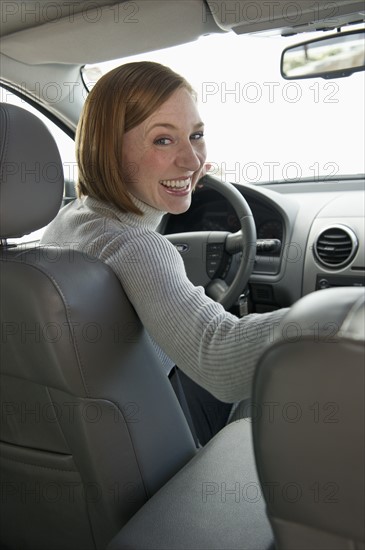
point(66, 147)
point(260, 127)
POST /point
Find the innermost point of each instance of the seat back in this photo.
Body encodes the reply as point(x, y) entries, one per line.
point(309, 428)
point(90, 425)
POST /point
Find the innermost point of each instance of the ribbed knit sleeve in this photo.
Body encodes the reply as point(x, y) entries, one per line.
point(216, 349)
point(213, 347)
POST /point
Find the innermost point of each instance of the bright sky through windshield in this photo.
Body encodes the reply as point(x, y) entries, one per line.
point(260, 127)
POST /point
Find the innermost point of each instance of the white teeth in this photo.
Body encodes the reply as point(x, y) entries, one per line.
point(176, 184)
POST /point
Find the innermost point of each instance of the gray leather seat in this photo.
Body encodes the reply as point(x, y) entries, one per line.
point(91, 427)
point(309, 433)
point(213, 503)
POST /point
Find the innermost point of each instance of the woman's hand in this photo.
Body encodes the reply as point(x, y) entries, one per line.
point(204, 170)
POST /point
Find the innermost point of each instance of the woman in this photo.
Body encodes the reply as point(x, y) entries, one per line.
point(141, 151)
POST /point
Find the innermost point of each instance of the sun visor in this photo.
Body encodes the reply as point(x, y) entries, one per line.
point(283, 17)
point(103, 32)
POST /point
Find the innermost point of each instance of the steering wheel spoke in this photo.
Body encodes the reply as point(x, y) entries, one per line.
point(216, 289)
point(234, 242)
point(203, 251)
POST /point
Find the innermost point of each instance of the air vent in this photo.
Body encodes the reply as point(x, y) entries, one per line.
point(336, 246)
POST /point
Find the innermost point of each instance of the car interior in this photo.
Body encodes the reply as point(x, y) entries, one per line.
point(96, 449)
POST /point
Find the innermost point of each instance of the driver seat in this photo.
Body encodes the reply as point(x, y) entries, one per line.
point(91, 427)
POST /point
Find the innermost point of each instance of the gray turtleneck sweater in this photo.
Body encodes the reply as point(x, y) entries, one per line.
point(216, 349)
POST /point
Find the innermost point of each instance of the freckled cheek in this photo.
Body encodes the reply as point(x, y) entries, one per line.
point(158, 161)
point(130, 164)
point(130, 170)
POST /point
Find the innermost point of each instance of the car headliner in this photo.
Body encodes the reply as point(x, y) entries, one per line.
point(88, 32)
point(59, 37)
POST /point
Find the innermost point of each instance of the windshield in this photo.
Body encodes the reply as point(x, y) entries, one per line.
point(260, 127)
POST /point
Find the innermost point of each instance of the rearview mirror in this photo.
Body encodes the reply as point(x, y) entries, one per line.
point(332, 56)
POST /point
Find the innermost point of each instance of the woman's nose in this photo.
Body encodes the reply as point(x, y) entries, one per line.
point(188, 157)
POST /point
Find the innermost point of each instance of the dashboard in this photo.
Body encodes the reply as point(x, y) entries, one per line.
point(320, 227)
point(210, 212)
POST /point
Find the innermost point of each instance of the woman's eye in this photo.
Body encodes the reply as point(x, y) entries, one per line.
point(162, 141)
point(197, 135)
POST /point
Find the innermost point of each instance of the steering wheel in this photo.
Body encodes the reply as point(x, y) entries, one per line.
point(207, 254)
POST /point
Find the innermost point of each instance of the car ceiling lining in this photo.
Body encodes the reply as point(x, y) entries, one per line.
point(91, 32)
point(108, 31)
point(284, 17)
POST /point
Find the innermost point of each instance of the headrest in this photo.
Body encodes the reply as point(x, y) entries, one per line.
point(337, 311)
point(31, 173)
point(309, 435)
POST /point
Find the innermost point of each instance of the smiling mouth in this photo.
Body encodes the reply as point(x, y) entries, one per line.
point(178, 184)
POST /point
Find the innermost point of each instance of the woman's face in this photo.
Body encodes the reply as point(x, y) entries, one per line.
point(163, 156)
